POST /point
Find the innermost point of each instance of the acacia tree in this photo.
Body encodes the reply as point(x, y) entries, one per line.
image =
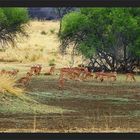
point(107, 36)
point(12, 24)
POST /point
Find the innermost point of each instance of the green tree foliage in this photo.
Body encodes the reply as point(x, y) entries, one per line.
point(61, 11)
point(12, 23)
point(110, 35)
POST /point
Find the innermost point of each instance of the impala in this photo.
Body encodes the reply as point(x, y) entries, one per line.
point(36, 69)
point(103, 75)
point(130, 76)
point(25, 80)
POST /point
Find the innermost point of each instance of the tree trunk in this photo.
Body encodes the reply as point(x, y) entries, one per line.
point(125, 59)
point(72, 58)
point(60, 26)
point(113, 64)
point(60, 18)
point(73, 55)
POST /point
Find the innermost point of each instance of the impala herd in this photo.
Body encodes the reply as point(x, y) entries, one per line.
point(74, 73)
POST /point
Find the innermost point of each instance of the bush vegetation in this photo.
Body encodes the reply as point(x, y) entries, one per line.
point(8, 85)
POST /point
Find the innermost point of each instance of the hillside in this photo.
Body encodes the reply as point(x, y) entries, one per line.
point(42, 46)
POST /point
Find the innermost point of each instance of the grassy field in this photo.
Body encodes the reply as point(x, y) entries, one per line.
point(42, 46)
point(89, 106)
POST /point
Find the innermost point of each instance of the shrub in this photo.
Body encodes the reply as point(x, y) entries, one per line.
point(8, 85)
point(52, 31)
point(43, 33)
point(52, 62)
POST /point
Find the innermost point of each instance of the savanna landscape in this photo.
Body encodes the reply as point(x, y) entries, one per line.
point(79, 73)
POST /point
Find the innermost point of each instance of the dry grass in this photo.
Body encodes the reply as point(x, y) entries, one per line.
point(39, 48)
point(23, 54)
point(8, 85)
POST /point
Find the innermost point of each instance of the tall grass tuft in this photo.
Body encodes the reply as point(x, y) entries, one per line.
point(43, 33)
point(8, 85)
point(52, 31)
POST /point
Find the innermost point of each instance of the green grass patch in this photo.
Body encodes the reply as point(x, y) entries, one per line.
point(26, 105)
point(135, 113)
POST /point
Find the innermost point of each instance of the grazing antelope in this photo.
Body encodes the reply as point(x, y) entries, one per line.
point(75, 73)
point(69, 73)
point(61, 82)
point(65, 74)
point(11, 73)
point(36, 69)
point(14, 72)
point(32, 69)
point(3, 71)
point(130, 76)
point(29, 74)
point(86, 74)
point(98, 74)
point(25, 80)
point(103, 75)
point(108, 76)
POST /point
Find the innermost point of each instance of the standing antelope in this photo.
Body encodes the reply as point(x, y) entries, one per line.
point(36, 69)
point(103, 75)
point(3, 71)
point(130, 76)
point(14, 72)
point(86, 74)
point(11, 73)
point(25, 80)
point(65, 73)
point(61, 82)
point(69, 73)
point(33, 68)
